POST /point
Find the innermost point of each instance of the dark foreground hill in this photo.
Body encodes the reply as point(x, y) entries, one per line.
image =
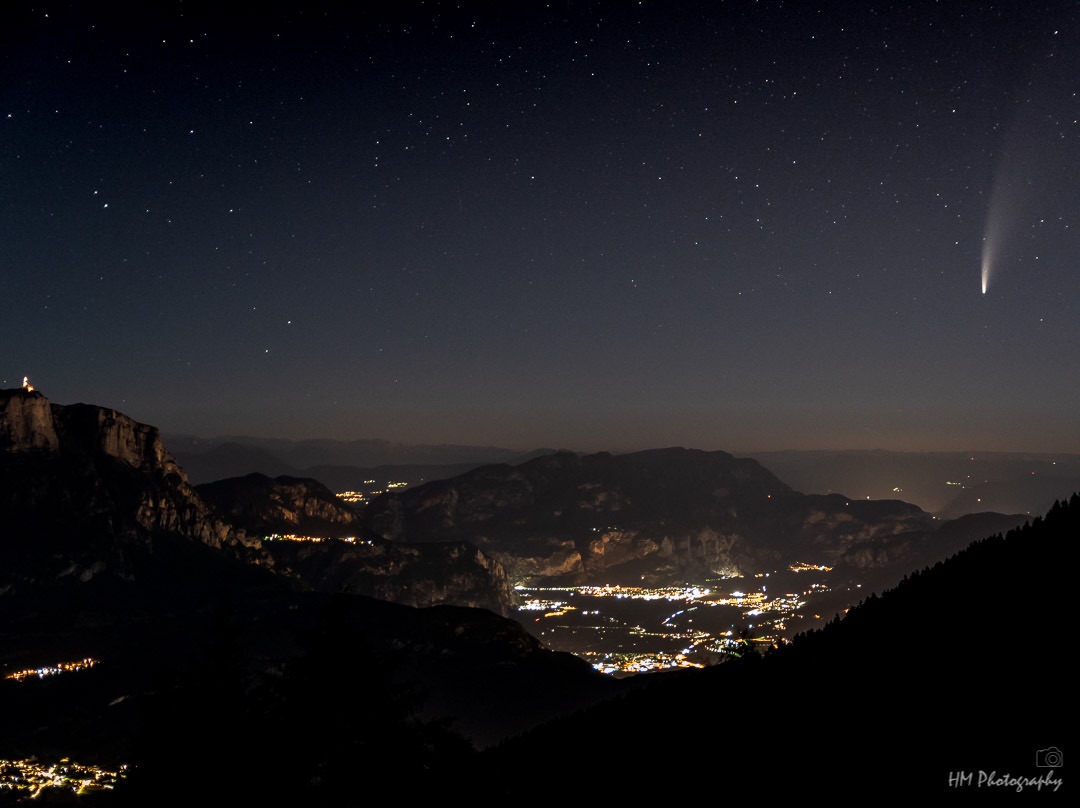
point(960, 671)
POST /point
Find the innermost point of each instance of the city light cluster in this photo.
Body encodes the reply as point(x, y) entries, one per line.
point(642, 593)
point(315, 539)
point(802, 566)
point(363, 497)
point(537, 605)
point(640, 663)
point(53, 670)
point(763, 620)
point(36, 778)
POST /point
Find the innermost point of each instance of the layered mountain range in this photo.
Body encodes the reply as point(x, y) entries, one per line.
point(214, 644)
point(106, 551)
point(86, 491)
point(659, 517)
point(945, 484)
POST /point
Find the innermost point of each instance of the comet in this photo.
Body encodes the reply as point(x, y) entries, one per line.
point(987, 258)
point(1024, 177)
point(1010, 197)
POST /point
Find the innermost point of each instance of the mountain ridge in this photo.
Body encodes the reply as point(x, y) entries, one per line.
point(939, 482)
point(685, 512)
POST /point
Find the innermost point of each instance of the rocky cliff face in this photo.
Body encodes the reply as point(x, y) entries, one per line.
point(83, 488)
point(26, 422)
point(658, 517)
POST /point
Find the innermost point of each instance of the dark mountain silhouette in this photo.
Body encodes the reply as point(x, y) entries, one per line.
point(938, 482)
point(351, 559)
point(210, 459)
point(205, 464)
point(961, 668)
point(662, 517)
point(1028, 493)
point(263, 505)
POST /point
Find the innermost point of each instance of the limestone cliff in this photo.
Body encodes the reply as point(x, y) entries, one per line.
point(84, 488)
point(26, 422)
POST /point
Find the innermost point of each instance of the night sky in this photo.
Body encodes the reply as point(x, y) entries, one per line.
point(573, 225)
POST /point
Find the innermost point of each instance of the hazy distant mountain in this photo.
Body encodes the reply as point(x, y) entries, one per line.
point(355, 478)
point(209, 459)
point(228, 460)
point(1031, 493)
point(937, 482)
